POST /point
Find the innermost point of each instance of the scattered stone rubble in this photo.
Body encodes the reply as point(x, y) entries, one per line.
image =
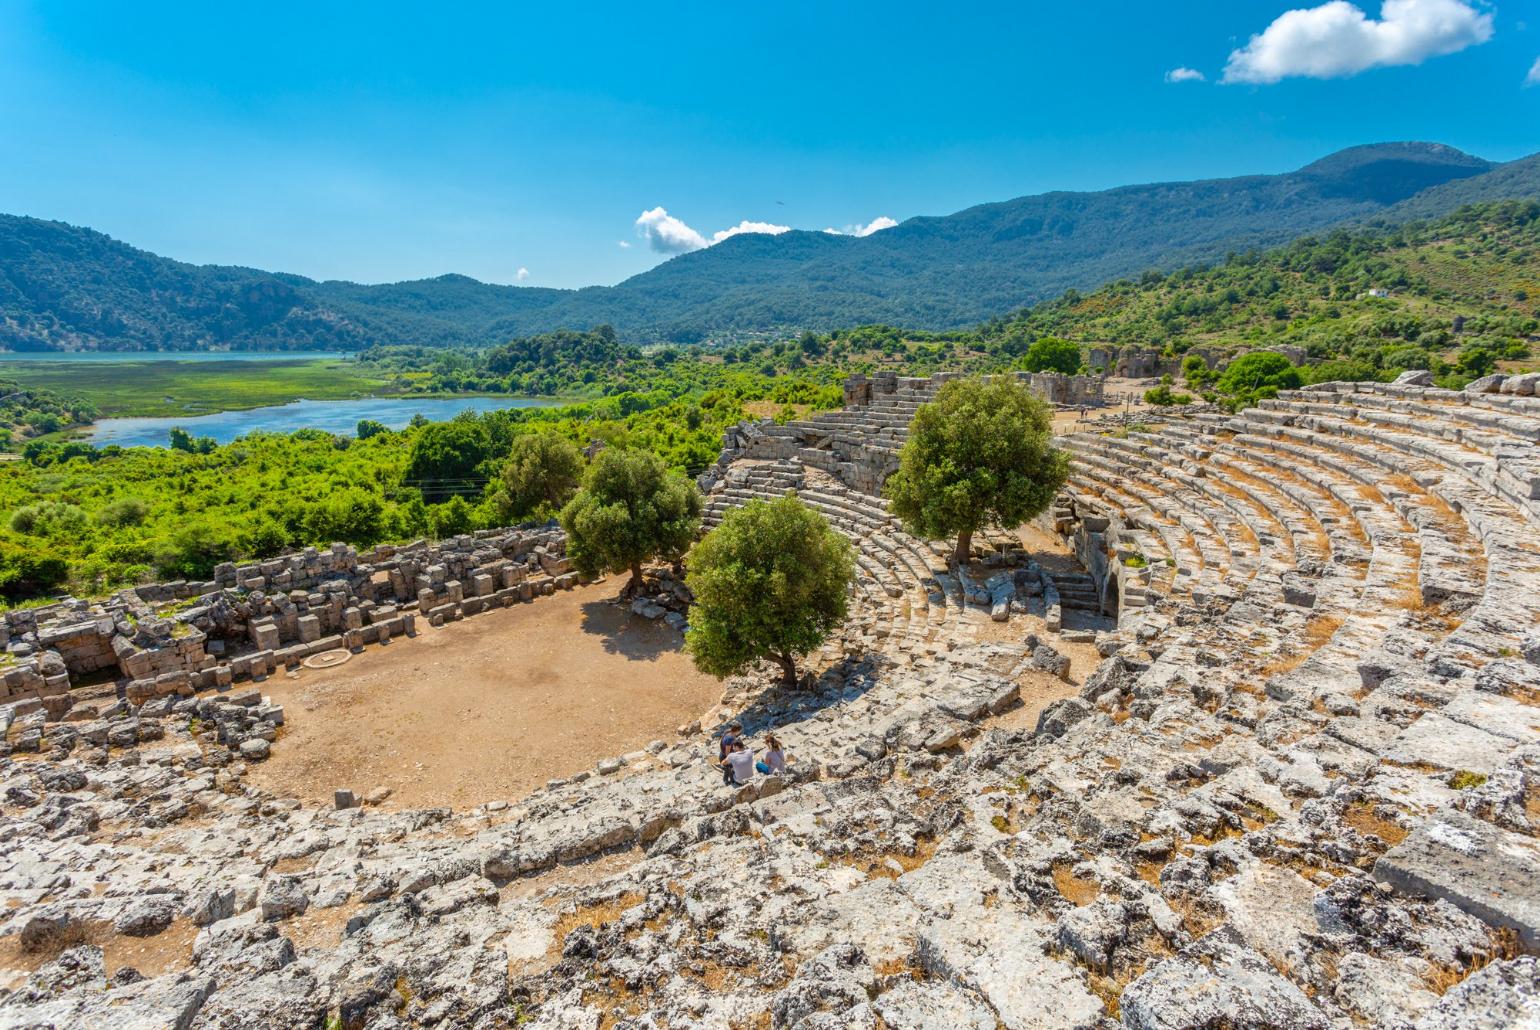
point(1302, 788)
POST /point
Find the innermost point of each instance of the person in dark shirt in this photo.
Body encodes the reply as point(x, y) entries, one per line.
point(730, 739)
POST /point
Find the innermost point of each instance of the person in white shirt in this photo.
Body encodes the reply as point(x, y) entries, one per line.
point(740, 762)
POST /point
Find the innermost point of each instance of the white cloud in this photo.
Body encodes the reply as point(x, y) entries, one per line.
point(521, 274)
point(668, 235)
point(1533, 78)
point(769, 228)
point(624, 244)
point(1338, 39)
point(877, 224)
point(1185, 75)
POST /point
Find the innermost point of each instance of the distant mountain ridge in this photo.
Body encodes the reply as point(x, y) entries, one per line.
point(68, 288)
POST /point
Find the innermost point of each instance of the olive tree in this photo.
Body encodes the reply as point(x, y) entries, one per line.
point(770, 582)
point(542, 473)
point(980, 454)
point(631, 509)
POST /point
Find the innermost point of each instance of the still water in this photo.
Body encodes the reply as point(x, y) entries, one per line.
point(332, 416)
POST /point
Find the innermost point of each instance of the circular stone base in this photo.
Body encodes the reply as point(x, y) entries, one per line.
point(327, 659)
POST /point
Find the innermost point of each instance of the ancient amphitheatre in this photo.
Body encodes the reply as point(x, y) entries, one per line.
point(1247, 734)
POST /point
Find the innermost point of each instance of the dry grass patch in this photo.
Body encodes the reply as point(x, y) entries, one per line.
point(594, 915)
point(1505, 946)
point(1317, 633)
point(1079, 892)
point(876, 863)
point(1361, 816)
point(900, 966)
point(43, 948)
point(1109, 990)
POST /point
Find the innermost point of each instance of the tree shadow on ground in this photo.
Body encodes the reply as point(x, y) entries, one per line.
point(627, 634)
point(775, 707)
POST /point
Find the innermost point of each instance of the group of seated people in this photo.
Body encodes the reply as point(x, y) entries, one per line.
point(737, 761)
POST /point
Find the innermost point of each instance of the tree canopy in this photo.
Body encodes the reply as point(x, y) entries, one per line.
point(980, 454)
point(446, 458)
point(543, 471)
point(631, 509)
point(769, 582)
point(1051, 354)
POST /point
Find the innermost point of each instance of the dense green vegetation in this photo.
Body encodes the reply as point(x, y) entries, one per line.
point(93, 519)
point(542, 473)
point(68, 288)
point(770, 582)
point(1364, 304)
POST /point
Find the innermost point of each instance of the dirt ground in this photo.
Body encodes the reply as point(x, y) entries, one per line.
point(487, 708)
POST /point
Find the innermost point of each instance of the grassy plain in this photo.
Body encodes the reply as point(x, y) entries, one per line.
point(170, 388)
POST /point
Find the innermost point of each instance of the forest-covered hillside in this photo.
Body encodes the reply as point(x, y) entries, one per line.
point(67, 288)
point(1396, 297)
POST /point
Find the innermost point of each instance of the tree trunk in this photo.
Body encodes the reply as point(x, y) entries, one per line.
point(634, 587)
point(788, 665)
point(964, 547)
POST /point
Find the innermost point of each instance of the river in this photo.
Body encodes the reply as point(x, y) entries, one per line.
point(332, 416)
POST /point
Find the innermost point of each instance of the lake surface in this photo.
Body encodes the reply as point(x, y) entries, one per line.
point(92, 356)
point(332, 416)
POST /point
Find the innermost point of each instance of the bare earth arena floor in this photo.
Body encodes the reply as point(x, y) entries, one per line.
point(488, 708)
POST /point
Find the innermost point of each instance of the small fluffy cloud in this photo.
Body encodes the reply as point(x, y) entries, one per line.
point(624, 244)
point(877, 224)
point(1338, 39)
point(668, 235)
point(521, 274)
point(1185, 75)
point(1533, 78)
point(769, 228)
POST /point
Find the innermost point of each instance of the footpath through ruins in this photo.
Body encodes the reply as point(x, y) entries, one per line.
point(1299, 785)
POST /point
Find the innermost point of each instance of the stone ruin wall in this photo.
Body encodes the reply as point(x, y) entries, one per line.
point(160, 639)
point(1135, 362)
point(859, 444)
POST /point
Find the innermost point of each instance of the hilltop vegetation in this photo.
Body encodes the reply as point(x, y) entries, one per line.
point(1387, 298)
point(66, 288)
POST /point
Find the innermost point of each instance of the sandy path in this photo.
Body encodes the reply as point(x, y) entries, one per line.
point(487, 708)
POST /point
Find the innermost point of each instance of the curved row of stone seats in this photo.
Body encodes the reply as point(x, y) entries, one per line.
point(1227, 556)
point(1405, 529)
point(1353, 615)
point(1416, 458)
point(1234, 515)
point(1450, 428)
point(1138, 531)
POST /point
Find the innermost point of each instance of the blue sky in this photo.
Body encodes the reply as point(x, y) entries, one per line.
point(391, 141)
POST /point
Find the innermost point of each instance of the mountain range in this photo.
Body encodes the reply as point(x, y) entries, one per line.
point(69, 288)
